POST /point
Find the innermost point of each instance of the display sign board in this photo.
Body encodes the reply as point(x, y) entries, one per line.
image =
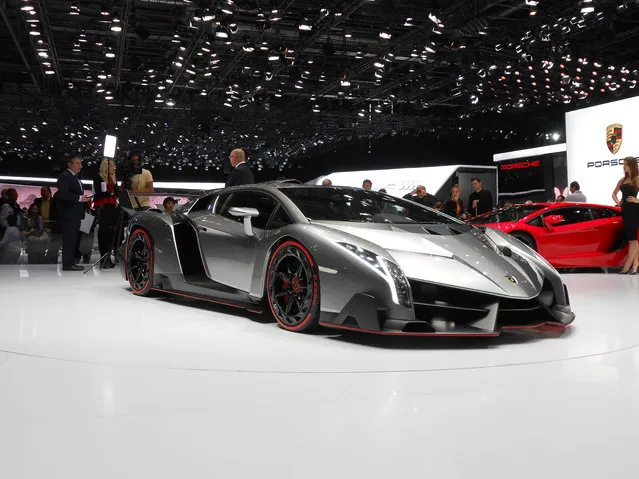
point(598, 139)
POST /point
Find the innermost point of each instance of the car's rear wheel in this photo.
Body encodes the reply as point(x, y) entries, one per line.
point(525, 238)
point(139, 262)
point(292, 287)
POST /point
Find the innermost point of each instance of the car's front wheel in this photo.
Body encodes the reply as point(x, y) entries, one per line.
point(292, 287)
point(139, 262)
point(525, 238)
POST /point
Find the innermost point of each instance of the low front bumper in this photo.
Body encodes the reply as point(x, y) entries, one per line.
point(472, 315)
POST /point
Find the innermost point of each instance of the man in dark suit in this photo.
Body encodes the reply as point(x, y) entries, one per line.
point(241, 174)
point(70, 200)
point(480, 200)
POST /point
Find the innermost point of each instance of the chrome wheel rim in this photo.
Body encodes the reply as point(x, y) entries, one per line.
point(139, 263)
point(290, 286)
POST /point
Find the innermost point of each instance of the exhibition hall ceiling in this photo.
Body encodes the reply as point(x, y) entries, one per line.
point(184, 80)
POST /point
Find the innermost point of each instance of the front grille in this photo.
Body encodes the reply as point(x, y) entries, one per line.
point(444, 303)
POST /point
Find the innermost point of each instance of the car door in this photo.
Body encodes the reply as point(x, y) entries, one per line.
point(229, 254)
point(608, 223)
point(576, 235)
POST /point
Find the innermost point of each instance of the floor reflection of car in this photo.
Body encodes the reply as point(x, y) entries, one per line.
point(568, 235)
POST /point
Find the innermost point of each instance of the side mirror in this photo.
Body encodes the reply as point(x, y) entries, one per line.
point(553, 220)
point(247, 214)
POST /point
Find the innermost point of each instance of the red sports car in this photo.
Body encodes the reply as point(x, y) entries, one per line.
point(568, 235)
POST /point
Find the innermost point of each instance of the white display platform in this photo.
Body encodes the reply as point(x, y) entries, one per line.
point(95, 382)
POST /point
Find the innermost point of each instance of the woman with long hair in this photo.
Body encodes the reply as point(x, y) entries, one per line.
point(629, 187)
point(105, 202)
point(454, 206)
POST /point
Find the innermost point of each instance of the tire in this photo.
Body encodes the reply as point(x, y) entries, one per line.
point(292, 287)
point(525, 238)
point(139, 262)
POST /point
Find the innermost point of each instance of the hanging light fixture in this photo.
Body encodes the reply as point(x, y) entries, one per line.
point(116, 25)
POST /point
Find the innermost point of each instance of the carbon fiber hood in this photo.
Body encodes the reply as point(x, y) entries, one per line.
point(459, 257)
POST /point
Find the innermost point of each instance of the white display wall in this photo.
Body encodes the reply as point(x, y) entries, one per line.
point(401, 181)
point(590, 162)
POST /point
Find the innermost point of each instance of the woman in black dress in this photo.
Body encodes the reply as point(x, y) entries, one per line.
point(454, 206)
point(629, 187)
point(105, 202)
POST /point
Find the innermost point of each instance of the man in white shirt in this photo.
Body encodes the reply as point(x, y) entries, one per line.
point(141, 182)
point(575, 196)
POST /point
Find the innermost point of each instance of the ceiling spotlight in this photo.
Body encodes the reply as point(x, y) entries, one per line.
point(49, 72)
point(587, 6)
point(361, 113)
point(299, 85)
point(109, 53)
point(220, 32)
point(116, 26)
point(409, 22)
point(273, 56)
point(158, 98)
point(248, 47)
point(385, 35)
point(345, 83)
point(27, 8)
point(434, 19)
point(170, 102)
point(227, 8)
point(378, 64)
point(305, 26)
point(316, 109)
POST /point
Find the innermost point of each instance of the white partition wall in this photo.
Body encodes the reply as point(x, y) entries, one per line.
point(401, 181)
point(591, 162)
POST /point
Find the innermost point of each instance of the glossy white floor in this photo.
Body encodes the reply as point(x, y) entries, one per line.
point(97, 383)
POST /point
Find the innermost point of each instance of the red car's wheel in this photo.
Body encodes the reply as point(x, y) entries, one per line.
point(292, 287)
point(139, 262)
point(525, 238)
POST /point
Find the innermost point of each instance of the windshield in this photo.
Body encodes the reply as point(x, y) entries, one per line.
point(507, 215)
point(361, 206)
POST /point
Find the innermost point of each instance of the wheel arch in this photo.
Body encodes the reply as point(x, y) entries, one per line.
point(261, 288)
point(134, 229)
point(522, 232)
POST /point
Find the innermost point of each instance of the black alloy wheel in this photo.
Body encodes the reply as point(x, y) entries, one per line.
point(140, 262)
point(526, 239)
point(293, 287)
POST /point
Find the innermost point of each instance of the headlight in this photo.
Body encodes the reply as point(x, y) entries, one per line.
point(387, 269)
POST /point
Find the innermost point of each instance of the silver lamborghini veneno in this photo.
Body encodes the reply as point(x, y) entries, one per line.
point(343, 258)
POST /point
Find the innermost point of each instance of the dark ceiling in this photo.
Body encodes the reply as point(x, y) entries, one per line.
point(185, 81)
